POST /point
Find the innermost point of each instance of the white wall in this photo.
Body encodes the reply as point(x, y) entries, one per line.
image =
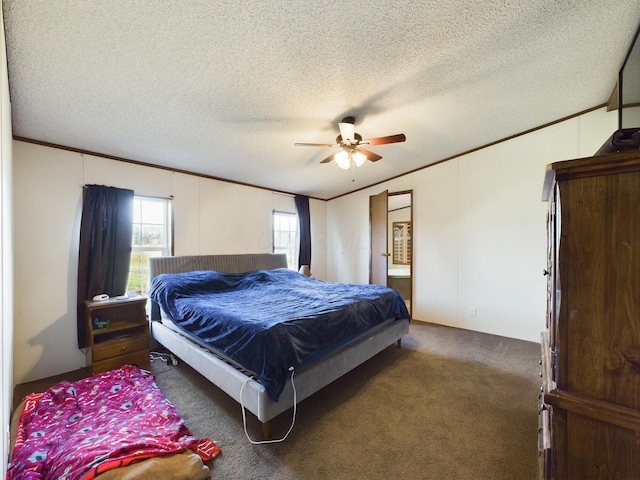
point(348, 240)
point(6, 255)
point(478, 230)
point(210, 217)
point(479, 234)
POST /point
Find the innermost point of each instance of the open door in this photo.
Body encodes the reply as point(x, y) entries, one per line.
point(378, 221)
point(396, 271)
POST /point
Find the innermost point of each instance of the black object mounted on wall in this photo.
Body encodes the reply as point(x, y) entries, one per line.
point(627, 137)
point(623, 139)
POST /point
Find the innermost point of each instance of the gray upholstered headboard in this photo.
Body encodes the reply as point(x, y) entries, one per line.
point(234, 263)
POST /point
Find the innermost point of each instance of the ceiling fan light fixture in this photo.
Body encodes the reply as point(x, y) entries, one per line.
point(343, 160)
point(359, 158)
point(348, 131)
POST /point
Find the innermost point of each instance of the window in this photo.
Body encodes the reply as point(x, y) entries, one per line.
point(285, 236)
point(152, 233)
point(402, 243)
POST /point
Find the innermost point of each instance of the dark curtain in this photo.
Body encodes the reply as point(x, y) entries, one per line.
point(105, 246)
point(304, 218)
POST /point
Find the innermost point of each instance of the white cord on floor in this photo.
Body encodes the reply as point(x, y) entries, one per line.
point(293, 419)
point(165, 357)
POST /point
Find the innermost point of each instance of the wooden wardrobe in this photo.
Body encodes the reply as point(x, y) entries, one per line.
point(590, 396)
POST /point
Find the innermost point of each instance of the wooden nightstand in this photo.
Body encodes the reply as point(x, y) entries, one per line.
point(117, 333)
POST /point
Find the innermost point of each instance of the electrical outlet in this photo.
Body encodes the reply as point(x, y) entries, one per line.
point(472, 311)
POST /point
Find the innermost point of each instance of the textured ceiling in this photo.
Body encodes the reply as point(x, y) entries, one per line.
point(225, 88)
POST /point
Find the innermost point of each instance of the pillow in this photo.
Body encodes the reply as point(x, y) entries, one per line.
point(181, 466)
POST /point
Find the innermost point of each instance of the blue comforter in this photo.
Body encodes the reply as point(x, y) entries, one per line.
point(270, 320)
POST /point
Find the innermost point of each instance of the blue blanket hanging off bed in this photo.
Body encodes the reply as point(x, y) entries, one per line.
point(270, 320)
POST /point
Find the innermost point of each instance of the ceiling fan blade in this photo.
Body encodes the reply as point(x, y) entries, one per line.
point(374, 157)
point(315, 145)
point(328, 159)
point(384, 140)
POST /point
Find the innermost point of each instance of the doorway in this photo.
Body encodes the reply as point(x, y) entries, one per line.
point(391, 255)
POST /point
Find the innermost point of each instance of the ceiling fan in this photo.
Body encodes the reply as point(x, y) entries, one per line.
point(350, 144)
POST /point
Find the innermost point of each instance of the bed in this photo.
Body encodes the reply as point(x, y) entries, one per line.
point(114, 425)
point(314, 369)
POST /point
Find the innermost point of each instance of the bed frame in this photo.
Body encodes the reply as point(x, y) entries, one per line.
point(230, 379)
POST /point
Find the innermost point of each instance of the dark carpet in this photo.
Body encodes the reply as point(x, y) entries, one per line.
point(449, 404)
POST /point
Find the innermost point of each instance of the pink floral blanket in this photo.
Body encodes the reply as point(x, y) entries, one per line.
point(75, 431)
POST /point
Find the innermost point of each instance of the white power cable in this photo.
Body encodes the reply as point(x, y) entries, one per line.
point(293, 419)
point(165, 357)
